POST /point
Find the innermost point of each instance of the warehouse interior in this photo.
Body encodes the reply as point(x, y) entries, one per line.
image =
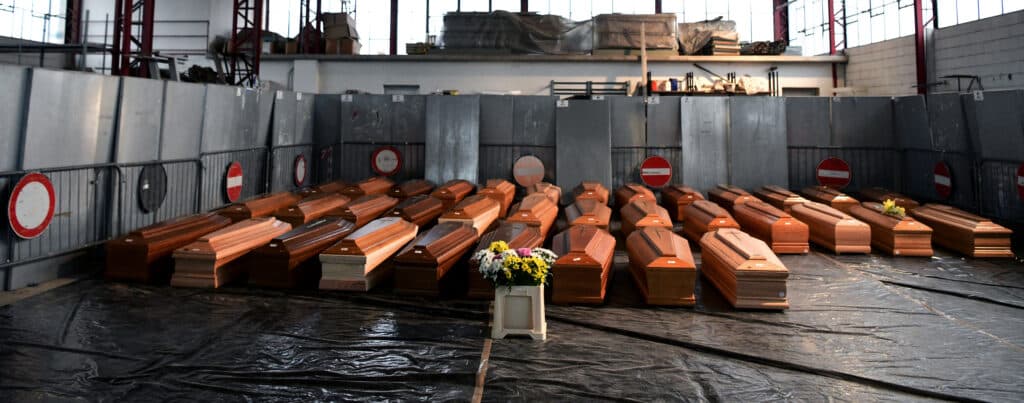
point(298, 200)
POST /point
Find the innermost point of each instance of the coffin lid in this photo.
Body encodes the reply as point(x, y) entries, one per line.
point(237, 233)
point(682, 191)
point(416, 205)
point(710, 208)
point(664, 243)
point(749, 248)
point(588, 207)
point(333, 187)
point(472, 206)
point(826, 192)
point(826, 210)
point(779, 190)
point(412, 187)
point(266, 204)
point(632, 188)
point(498, 184)
point(453, 188)
point(375, 232)
point(583, 245)
point(325, 201)
point(592, 186)
point(439, 243)
point(764, 209)
point(731, 189)
point(368, 203)
point(515, 234)
point(177, 224)
point(953, 214)
point(313, 232)
point(373, 184)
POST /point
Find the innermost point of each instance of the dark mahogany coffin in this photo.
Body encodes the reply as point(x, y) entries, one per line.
point(833, 229)
point(580, 275)
point(894, 235)
point(376, 185)
point(428, 265)
point(631, 192)
point(453, 191)
point(516, 235)
point(259, 207)
point(145, 254)
point(705, 216)
point(477, 211)
point(591, 190)
point(675, 198)
point(830, 197)
point(662, 266)
point(552, 192)
point(358, 262)
point(211, 260)
point(964, 232)
point(880, 195)
point(290, 260)
point(644, 213)
point(365, 209)
point(729, 196)
point(501, 191)
point(588, 212)
point(311, 208)
point(536, 210)
point(782, 232)
point(410, 188)
point(421, 210)
point(780, 198)
point(744, 270)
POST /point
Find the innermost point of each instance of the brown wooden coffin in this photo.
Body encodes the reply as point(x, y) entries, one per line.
point(516, 235)
point(729, 196)
point(588, 212)
point(333, 187)
point(536, 210)
point(552, 192)
point(365, 209)
point(675, 198)
point(644, 213)
point(631, 192)
point(779, 197)
point(580, 275)
point(964, 232)
point(410, 188)
point(259, 207)
point(744, 270)
point(705, 216)
point(662, 266)
point(210, 260)
point(428, 265)
point(358, 262)
point(290, 260)
point(376, 185)
point(501, 191)
point(830, 197)
point(477, 211)
point(145, 254)
point(421, 210)
point(453, 191)
point(591, 190)
point(880, 195)
point(833, 229)
point(311, 208)
point(782, 232)
point(894, 235)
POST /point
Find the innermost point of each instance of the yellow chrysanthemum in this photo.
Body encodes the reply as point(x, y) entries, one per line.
point(498, 247)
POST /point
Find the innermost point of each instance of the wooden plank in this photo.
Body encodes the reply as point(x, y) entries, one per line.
point(744, 270)
point(452, 192)
point(261, 206)
point(782, 232)
point(580, 275)
point(365, 209)
point(591, 190)
point(208, 262)
point(477, 211)
point(144, 255)
point(893, 235)
point(958, 230)
point(374, 185)
point(588, 211)
point(631, 192)
point(537, 210)
point(421, 210)
point(705, 216)
point(552, 192)
point(833, 229)
point(830, 197)
point(311, 208)
point(290, 260)
point(662, 266)
point(779, 197)
point(729, 196)
point(644, 213)
point(410, 188)
point(428, 265)
point(358, 262)
point(880, 195)
point(516, 235)
point(501, 191)
point(675, 198)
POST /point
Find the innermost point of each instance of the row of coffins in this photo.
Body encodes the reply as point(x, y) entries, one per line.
point(585, 250)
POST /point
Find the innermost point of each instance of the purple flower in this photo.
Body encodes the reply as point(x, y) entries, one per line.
point(523, 252)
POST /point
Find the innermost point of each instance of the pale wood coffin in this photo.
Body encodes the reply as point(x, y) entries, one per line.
point(453, 191)
point(477, 211)
point(591, 190)
point(744, 270)
point(830, 197)
point(662, 266)
point(290, 260)
point(880, 195)
point(782, 232)
point(779, 197)
point(311, 208)
point(210, 260)
point(376, 185)
point(429, 264)
point(145, 254)
point(501, 191)
point(421, 210)
point(631, 192)
point(410, 188)
point(729, 196)
point(644, 213)
point(358, 262)
point(516, 235)
point(552, 192)
point(964, 232)
point(588, 212)
point(833, 229)
point(259, 207)
point(704, 216)
point(675, 198)
point(894, 235)
point(537, 210)
point(580, 275)
point(365, 209)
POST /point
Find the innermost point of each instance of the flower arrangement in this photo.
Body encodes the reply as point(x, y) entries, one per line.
point(889, 207)
point(505, 266)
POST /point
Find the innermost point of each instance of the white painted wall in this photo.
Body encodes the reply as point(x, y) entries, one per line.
point(992, 48)
point(883, 68)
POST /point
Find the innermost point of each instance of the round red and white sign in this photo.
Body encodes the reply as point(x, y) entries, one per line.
point(299, 169)
point(943, 180)
point(233, 182)
point(1020, 181)
point(528, 170)
point(656, 171)
point(31, 206)
point(834, 173)
point(386, 161)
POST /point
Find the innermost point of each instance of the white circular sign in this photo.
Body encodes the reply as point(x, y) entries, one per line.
point(386, 161)
point(31, 206)
point(300, 170)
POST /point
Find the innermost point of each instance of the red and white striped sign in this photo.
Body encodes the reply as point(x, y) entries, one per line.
point(1020, 181)
point(656, 171)
point(834, 173)
point(300, 170)
point(943, 180)
point(233, 182)
point(528, 170)
point(31, 206)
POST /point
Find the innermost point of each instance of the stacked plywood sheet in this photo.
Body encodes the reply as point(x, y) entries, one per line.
point(833, 229)
point(453, 191)
point(501, 191)
point(421, 210)
point(744, 270)
point(145, 254)
point(477, 211)
point(779, 197)
point(704, 216)
point(632, 192)
point(427, 266)
point(675, 198)
point(259, 207)
point(662, 266)
point(410, 188)
point(830, 197)
point(580, 275)
point(964, 232)
point(536, 210)
point(552, 192)
point(207, 262)
point(311, 208)
point(729, 196)
point(358, 262)
point(880, 195)
point(290, 260)
point(376, 185)
point(588, 212)
point(644, 213)
point(782, 232)
point(893, 235)
point(516, 235)
point(365, 209)
point(591, 190)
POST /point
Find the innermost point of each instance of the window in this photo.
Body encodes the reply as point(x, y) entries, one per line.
point(33, 20)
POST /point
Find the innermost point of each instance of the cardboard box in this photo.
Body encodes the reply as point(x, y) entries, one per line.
point(339, 26)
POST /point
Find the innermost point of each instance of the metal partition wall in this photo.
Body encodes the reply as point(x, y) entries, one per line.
point(582, 143)
point(704, 127)
point(452, 138)
point(369, 122)
point(629, 139)
point(663, 128)
point(512, 127)
point(291, 141)
point(230, 125)
point(996, 123)
point(326, 137)
point(808, 137)
point(757, 142)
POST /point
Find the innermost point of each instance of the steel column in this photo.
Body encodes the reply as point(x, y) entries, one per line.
point(125, 60)
point(781, 13)
point(832, 40)
point(244, 51)
point(922, 66)
point(657, 6)
point(393, 42)
point(524, 6)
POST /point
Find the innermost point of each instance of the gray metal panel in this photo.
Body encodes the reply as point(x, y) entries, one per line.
point(15, 81)
point(408, 120)
point(366, 119)
point(283, 127)
point(222, 130)
point(626, 165)
point(282, 163)
point(80, 218)
point(265, 97)
point(919, 177)
point(949, 130)
point(808, 122)
point(496, 161)
point(70, 119)
point(583, 144)
point(534, 120)
point(999, 198)
point(627, 121)
point(252, 118)
point(327, 119)
point(304, 119)
point(354, 161)
point(138, 129)
point(997, 124)
point(214, 174)
point(910, 123)
point(803, 162)
point(862, 122)
point(703, 125)
point(129, 216)
point(453, 138)
point(663, 123)
point(496, 119)
point(182, 129)
point(757, 142)
point(869, 167)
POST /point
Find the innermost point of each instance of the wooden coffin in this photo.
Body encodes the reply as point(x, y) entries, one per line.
point(501, 191)
point(145, 254)
point(365, 209)
point(333, 187)
point(410, 188)
point(580, 275)
point(516, 235)
point(453, 191)
point(591, 190)
point(880, 195)
point(376, 185)
point(964, 232)
point(782, 232)
point(830, 197)
point(536, 210)
point(427, 266)
point(290, 260)
point(421, 209)
point(704, 216)
point(729, 196)
point(744, 270)
point(357, 262)
point(477, 211)
point(311, 208)
point(644, 213)
point(675, 198)
point(209, 261)
point(259, 207)
point(779, 197)
point(588, 212)
point(631, 192)
point(662, 266)
point(833, 229)
point(894, 235)
point(552, 192)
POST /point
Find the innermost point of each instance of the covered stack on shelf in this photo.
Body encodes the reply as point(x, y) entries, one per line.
point(619, 34)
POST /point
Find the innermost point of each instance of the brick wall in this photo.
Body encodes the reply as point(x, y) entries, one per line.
point(992, 48)
point(882, 68)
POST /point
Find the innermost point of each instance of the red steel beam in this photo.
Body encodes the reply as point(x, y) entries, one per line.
point(781, 25)
point(524, 6)
point(922, 65)
point(394, 28)
point(657, 6)
point(832, 40)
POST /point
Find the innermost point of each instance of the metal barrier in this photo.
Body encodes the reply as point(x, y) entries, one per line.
point(282, 164)
point(182, 175)
point(214, 170)
point(355, 157)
